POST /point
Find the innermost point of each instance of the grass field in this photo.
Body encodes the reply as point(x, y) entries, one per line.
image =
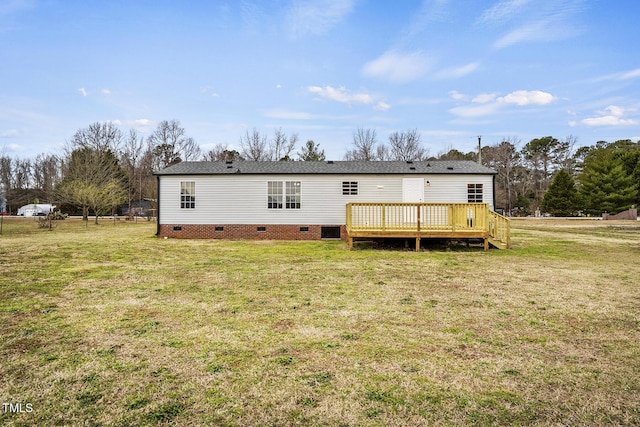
point(107, 325)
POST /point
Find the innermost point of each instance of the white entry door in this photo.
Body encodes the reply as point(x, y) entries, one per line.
point(413, 190)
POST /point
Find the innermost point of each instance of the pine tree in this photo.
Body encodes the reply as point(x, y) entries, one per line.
point(311, 152)
point(561, 198)
point(605, 184)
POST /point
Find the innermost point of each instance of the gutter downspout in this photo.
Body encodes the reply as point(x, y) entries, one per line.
point(158, 213)
point(494, 194)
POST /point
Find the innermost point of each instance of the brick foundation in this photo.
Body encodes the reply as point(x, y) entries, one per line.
point(246, 231)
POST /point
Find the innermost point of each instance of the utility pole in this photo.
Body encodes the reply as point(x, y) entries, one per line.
point(479, 149)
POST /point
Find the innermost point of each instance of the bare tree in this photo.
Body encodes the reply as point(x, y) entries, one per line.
point(131, 156)
point(221, 152)
point(563, 154)
point(407, 146)
point(254, 146)
point(170, 145)
point(98, 136)
point(365, 145)
point(383, 153)
point(504, 158)
point(46, 174)
point(281, 147)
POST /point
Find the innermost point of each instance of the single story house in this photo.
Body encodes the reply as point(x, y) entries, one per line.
point(35, 209)
point(312, 200)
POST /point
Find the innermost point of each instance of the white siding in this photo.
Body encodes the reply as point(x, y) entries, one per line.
point(242, 199)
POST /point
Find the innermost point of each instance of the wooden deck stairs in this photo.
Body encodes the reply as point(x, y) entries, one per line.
point(427, 221)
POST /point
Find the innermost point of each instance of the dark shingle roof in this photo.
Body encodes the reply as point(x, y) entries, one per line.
point(327, 167)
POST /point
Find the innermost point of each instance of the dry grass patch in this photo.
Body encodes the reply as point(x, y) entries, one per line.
point(107, 325)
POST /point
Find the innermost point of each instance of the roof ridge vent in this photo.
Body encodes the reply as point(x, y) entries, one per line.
point(409, 162)
point(329, 162)
point(228, 162)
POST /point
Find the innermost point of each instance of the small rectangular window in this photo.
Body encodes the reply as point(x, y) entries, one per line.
point(262, 229)
point(474, 193)
point(218, 228)
point(293, 195)
point(349, 188)
point(274, 195)
point(187, 194)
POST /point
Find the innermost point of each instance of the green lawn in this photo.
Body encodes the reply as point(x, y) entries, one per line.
point(107, 325)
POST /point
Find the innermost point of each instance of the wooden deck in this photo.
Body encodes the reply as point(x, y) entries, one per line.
point(427, 221)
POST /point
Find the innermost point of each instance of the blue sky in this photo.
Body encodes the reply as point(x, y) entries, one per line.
point(453, 69)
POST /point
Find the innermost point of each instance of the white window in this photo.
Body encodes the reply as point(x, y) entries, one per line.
point(283, 194)
point(187, 194)
point(274, 195)
point(293, 195)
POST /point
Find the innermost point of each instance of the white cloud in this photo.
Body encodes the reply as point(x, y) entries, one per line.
point(611, 116)
point(630, 74)
point(483, 98)
point(456, 72)
point(382, 106)
point(502, 11)
point(209, 91)
point(83, 91)
point(489, 103)
point(625, 75)
point(106, 92)
point(398, 67)
point(527, 97)
point(317, 16)
point(142, 125)
point(542, 20)
point(142, 122)
point(341, 95)
point(454, 94)
point(9, 133)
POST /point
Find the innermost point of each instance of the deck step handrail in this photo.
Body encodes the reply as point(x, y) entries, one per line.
point(499, 230)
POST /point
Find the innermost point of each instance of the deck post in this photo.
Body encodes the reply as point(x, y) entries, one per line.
point(452, 219)
point(383, 216)
point(418, 229)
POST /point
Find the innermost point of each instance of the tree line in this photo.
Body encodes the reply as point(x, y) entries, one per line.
point(103, 167)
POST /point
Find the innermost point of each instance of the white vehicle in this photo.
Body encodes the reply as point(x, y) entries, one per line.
point(35, 210)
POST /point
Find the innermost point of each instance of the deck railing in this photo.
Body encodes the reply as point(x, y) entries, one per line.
point(446, 219)
point(500, 229)
point(417, 216)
